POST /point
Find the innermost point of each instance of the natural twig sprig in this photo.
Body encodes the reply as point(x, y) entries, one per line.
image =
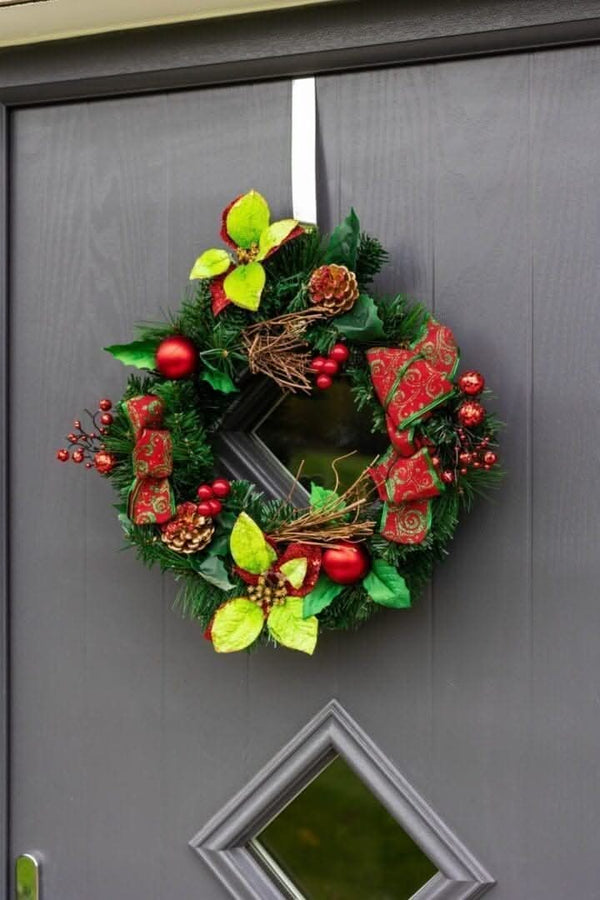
point(276, 348)
point(338, 519)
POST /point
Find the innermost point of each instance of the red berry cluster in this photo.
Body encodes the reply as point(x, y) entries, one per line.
point(87, 445)
point(211, 496)
point(327, 367)
point(475, 455)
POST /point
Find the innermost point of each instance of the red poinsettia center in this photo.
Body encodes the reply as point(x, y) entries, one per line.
point(269, 590)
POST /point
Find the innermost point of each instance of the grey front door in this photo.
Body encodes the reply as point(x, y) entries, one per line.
point(482, 177)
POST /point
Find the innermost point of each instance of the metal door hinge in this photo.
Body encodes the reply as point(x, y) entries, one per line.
point(27, 878)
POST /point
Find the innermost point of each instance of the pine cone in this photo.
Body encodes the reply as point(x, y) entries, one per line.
point(333, 288)
point(188, 532)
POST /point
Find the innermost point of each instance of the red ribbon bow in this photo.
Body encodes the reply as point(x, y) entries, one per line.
point(409, 384)
point(151, 499)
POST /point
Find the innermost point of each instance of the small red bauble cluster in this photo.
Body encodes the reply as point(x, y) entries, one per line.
point(212, 495)
point(327, 367)
point(345, 563)
point(87, 446)
point(475, 456)
point(176, 357)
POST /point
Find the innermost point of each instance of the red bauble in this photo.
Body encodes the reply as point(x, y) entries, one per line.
point(317, 363)
point(471, 382)
point(204, 508)
point(471, 414)
point(205, 492)
point(345, 562)
point(105, 404)
point(324, 382)
point(106, 419)
point(340, 353)
point(465, 458)
point(215, 506)
point(104, 462)
point(176, 357)
point(490, 458)
point(221, 488)
point(447, 476)
point(77, 456)
point(62, 455)
point(330, 367)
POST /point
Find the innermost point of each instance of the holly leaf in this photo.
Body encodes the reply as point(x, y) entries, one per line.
point(219, 546)
point(362, 323)
point(343, 243)
point(273, 237)
point(140, 354)
point(213, 570)
point(244, 285)
point(386, 586)
point(289, 628)
point(235, 625)
point(323, 498)
point(247, 218)
point(220, 381)
point(295, 570)
point(125, 523)
point(249, 547)
point(210, 264)
point(323, 593)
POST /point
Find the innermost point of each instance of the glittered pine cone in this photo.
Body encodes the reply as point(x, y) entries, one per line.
point(188, 532)
point(333, 289)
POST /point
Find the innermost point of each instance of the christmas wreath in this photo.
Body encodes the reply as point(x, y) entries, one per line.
point(285, 302)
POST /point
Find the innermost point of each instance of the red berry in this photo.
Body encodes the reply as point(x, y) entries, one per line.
point(106, 419)
point(435, 461)
point(318, 363)
point(105, 404)
point(62, 455)
point(330, 367)
point(215, 507)
point(221, 487)
point(324, 382)
point(77, 456)
point(205, 492)
point(490, 458)
point(340, 353)
point(204, 508)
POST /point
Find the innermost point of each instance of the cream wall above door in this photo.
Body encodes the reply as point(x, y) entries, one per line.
point(30, 21)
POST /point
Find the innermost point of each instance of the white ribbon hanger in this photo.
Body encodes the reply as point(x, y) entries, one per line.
point(304, 150)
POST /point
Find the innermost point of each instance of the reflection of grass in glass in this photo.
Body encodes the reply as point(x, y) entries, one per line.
point(317, 468)
point(337, 842)
point(318, 429)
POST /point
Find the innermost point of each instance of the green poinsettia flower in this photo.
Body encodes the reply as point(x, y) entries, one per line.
point(275, 595)
point(239, 278)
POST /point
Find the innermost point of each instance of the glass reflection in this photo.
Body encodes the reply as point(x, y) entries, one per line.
point(335, 841)
point(317, 430)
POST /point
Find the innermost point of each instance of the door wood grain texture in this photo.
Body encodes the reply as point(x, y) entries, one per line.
point(482, 177)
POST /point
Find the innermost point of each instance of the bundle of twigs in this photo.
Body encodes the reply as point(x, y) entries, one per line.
point(337, 520)
point(276, 348)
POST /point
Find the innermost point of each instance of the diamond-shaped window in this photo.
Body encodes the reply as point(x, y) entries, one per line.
point(336, 841)
point(328, 815)
point(310, 432)
point(265, 436)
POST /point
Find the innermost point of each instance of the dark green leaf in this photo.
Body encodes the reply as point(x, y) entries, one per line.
point(362, 323)
point(343, 243)
point(220, 381)
point(386, 586)
point(213, 570)
point(323, 593)
point(140, 354)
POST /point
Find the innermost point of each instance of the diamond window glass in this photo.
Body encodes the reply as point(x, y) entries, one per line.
point(318, 429)
point(335, 841)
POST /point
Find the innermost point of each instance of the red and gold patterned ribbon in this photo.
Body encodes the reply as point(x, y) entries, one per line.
point(151, 498)
point(409, 384)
